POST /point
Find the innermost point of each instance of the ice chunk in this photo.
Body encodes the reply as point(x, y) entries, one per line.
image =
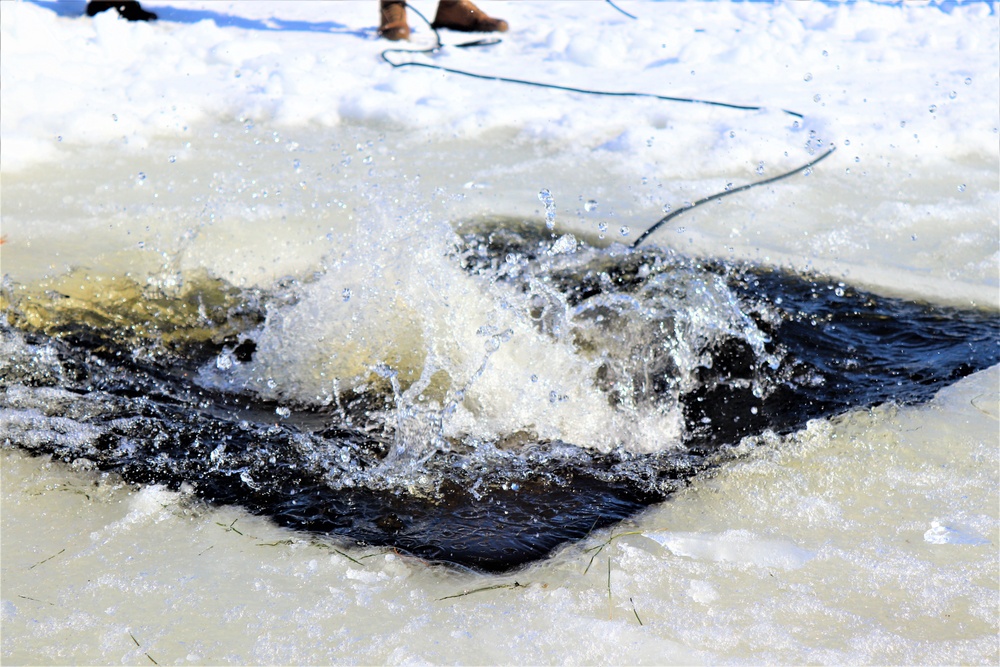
point(734, 546)
point(942, 534)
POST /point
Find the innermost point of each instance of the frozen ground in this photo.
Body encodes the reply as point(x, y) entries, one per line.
point(264, 140)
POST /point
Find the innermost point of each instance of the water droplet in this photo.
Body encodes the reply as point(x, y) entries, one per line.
point(545, 196)
point(296, 165)
point(248, 480)
point(367, 160)
point(961, 188)
point(913, 237)
point(534, 378)
point(237, 74)
point(760, 168)
point(825, 52)
point(590, 205)
point(902, 123)
point(602, 226)
point(172, 159)
point(666, 208)
point(515, 486)
point(142, 176)
point(224, 362)
point(58, 137)
point(753, 411)
point(732, 134)
point(847, 142)
point(384, 370)
point(808, 77)
point(283, 412)
point(346, 294)
point(817, 97)
point(839, 291)
point(968, 80)
point(346, 161)
point(114, 117)
point(953, 94)
point(624, 230)
point(553, 397)
point(932, 108)
point(565, 244)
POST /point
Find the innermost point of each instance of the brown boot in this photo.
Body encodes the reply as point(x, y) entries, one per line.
point(464, 16)
point(393, 24)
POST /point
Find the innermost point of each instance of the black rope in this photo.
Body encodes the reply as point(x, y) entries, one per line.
point(537, 84)
point(631, 16)
point(725, 193)
point(585, 91)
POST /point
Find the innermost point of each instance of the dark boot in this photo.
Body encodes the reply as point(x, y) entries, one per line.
point(392, 23)
point(464, 16)
point(127, 9)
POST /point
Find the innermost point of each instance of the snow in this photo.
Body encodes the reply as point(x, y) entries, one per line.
point(914, 82)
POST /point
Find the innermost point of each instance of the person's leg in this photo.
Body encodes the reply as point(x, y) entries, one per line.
point(127, 9)
point(464, 16)
point(392, 20)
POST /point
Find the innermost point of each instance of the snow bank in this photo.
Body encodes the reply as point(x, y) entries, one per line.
point(902, 82)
